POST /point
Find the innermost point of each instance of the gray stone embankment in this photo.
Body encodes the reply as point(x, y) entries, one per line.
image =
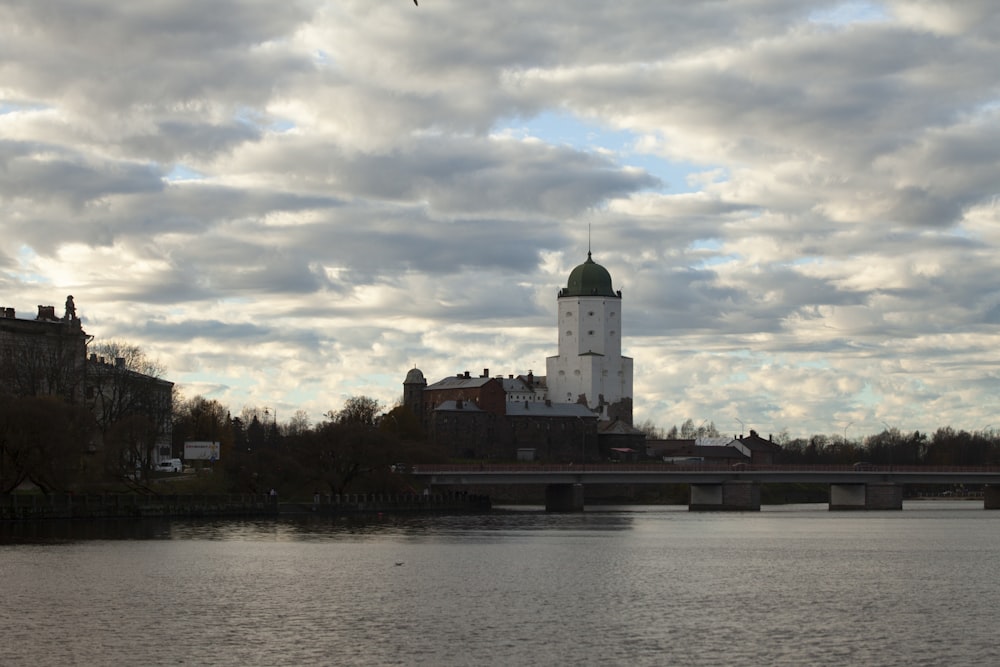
point(360, 503)
point(121, 505)
point(18, 507)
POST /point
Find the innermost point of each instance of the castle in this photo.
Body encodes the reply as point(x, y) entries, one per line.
point(580, 410)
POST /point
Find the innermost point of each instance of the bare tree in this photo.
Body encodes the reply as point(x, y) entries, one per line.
point(359, 411)
point(44, 440)
point(652, 431)
point(123, 381)
point(298, 424)
point(127, 444)
point(203, 418)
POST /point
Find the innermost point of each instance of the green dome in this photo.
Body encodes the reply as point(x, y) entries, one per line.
point(589, 279)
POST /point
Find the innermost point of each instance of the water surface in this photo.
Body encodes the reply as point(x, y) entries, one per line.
point(794, 585)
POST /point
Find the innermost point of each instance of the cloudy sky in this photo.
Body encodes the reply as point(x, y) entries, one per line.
point(291, 203)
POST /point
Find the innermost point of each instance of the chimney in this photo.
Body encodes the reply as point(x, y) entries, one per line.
point(467, 376)
point(8, 313)
point(486, 373)
point(93, 358)
point(119, 362)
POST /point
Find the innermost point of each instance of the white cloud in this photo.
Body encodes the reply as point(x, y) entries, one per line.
point(290, 207)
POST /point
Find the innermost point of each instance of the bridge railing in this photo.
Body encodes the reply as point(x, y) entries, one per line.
point(527, 468)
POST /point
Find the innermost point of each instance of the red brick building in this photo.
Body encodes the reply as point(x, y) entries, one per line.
point(484, 392)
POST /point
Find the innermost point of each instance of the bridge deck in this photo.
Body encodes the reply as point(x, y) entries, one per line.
point(622, 473)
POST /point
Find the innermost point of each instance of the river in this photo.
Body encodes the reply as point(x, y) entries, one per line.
point(791, 585)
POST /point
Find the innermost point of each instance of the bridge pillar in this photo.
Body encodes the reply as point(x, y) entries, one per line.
point(732, 496)
point(847, 497)
point(991, 497)
point(564, 498)
point(884, 496)
point(866, 496)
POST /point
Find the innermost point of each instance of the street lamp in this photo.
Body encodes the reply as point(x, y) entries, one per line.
point(742, 428)
point(849, 424)
point(272, 435)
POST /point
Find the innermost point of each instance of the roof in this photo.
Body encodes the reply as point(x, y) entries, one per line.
point(714, 441)
point(547, 409)
point(756, 443)
point(98, 368)
point(461, 382)
point(589, 279)
point(618, 427)
point(511, 385)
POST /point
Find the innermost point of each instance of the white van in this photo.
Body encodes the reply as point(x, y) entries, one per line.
point(169, 465)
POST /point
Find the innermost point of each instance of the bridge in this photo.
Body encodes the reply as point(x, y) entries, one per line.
point(720, 488)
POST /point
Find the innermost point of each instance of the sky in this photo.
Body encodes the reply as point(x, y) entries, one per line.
point(289, 204)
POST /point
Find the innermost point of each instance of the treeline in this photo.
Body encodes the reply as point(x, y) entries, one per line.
point(946, 447)
point(686, 431)
point(62, 447)
point(356, 449)
point(66, 423)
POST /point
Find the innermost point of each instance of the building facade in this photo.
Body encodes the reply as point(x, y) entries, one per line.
point(47, 356)
point(590, 368)
point(577, 412)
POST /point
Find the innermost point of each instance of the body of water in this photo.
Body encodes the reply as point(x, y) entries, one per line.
point(794, 585)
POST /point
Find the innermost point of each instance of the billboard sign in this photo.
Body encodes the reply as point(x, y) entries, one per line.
point(201, 450)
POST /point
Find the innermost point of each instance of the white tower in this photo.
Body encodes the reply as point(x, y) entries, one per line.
point(590, 368)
